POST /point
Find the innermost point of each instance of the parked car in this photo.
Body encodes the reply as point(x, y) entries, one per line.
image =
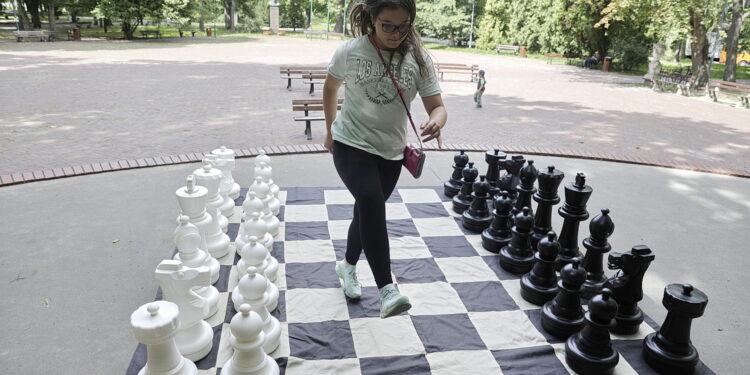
point(743, 58)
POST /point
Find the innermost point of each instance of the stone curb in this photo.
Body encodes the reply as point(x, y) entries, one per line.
point(79, 170)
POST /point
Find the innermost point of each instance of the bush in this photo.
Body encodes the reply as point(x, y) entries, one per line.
point(630, 48)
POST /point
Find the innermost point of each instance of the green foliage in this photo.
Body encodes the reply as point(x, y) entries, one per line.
point(630, 47)
point(443, 19)
point(253, 14)
point(292, 13)
point(130, 12)
point(493, 26)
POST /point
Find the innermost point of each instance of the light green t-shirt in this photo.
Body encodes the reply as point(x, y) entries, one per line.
point(372, 117)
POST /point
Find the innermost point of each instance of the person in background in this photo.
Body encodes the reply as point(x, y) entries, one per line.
point(481, 82)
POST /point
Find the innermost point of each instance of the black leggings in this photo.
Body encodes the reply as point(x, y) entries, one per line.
point(371, 180)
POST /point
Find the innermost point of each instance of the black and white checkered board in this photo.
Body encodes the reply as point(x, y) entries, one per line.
point(468, 316)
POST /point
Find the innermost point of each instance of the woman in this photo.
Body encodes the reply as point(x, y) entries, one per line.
point(368, 138)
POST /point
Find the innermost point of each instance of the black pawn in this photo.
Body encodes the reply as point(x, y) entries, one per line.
point(546, 197)
point(477, 218)
point(590, 351)
point(493, 172)
point(573, 212)
point(453, 186)
point(499, 233)
point(510, 180)
point(670, 351)
point(462, 200)
point(627, 286)
point(528, 176)
point(540, 284)
point(518, 257)
point(600, 227)
point(563, 316)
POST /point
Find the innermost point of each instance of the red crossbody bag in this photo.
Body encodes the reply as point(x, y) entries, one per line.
point(413, 157)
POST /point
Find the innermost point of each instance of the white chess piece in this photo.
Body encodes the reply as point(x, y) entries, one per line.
point(227, 205)
point(187, 237)
point(272, 222)
point(194, 337)
point(254, 254)
point(247, 340)
point(266, 174)
point(155, 325)
point(250, 205)
point(261, 158)
point(191, 247)
point(262, 192)
point(257, 228)
point(229, 155)
point(210, 177)
point(192, 201)
point(253, 292)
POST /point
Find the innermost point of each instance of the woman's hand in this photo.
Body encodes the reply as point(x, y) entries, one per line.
point(328, 143)
point(431, 130)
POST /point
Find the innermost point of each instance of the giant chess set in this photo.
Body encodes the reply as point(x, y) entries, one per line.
point(251, 288)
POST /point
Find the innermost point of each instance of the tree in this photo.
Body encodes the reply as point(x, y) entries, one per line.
point(443, 19)
point(33, 7)
point(292, 13)
point(130, 12)
point(733, 38)
point(77, 7)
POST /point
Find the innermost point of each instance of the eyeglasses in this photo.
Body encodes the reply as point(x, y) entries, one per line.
point(390, 28)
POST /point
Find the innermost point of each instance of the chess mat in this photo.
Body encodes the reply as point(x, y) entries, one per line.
point(468, 316)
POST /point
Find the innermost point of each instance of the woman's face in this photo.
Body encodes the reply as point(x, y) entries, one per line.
point(391, 27)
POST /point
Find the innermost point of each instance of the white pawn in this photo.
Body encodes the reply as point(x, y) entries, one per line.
point(261, 189)
point(254, 254)
point(247, 339)
point(229, 155)
point(262, 192)
point(187, 238)
point(250, 205)
point(266, 173)
point(261, 158)
point(194, 337)
point(272, 222)
point(253, 292)
point(227, 205)
point(155, 324)
point(210, 177)
point(192, 201)
point(259, 229)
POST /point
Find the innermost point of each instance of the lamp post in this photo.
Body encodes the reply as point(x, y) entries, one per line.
point(471, 30)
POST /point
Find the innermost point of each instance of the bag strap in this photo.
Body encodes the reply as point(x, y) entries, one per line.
point(400, 93)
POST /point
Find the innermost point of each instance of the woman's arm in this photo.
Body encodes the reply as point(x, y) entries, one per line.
point(330, 106)
point(438, 117)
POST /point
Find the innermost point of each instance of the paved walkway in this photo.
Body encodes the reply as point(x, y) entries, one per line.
point(76, 104)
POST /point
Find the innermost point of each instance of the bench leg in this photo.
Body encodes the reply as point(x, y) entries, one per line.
point(308, 130)
point(289, 84)
point(312, 89)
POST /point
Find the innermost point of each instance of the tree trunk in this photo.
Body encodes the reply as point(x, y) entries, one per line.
point(128, 29)
point(679, 51)
point(23, 18)
point(699, 47)
point(733, 37)
point(227, 14)
point(338, 26)
point(233, 16)
point(51, 12)
point(33, 7)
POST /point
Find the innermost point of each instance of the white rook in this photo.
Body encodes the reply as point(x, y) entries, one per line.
point(155, 324)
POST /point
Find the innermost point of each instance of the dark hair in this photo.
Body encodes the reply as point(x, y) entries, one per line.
point(361, 20)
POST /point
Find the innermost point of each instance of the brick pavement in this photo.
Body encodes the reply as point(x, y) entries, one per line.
point(93, 107)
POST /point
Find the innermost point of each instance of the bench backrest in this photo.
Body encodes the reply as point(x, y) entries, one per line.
point(311, 104)
point(548, 54)
point(312, 76)
point(456, 66)
point(726, 85)
point(302, 69)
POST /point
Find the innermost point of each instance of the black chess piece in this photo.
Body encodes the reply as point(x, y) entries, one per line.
point(499, 233)
point(546, 197)
point(540, 284)
point(627, 286)
point(563, 315)
point(590, 351)
point(462, 200)
point(493, 172)
point(573, 212)
point(477, 218)
point(518, 256)
point(527, 175)
point(510, 180)
point(453, 185)
point(600, 227)
point(670, 351)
